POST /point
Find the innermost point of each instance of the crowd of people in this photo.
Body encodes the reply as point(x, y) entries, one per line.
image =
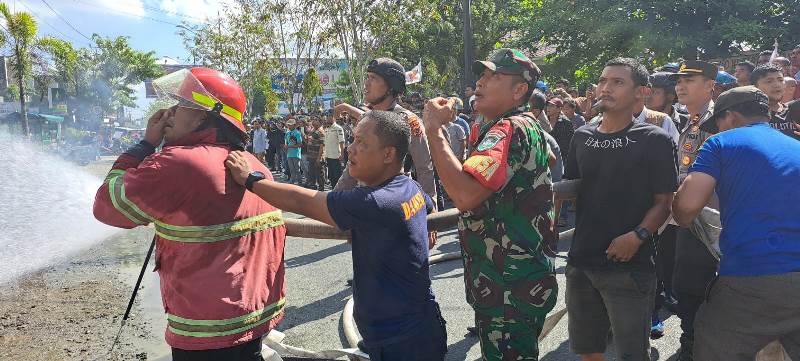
point(683, 180)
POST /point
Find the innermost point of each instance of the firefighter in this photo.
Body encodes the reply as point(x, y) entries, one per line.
point(219, 249)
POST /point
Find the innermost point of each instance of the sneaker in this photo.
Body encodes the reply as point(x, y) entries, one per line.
point(657, 328)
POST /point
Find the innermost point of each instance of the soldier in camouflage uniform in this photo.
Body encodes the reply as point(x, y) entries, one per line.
point(504, 191)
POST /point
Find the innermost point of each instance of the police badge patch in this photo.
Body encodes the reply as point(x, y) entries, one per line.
point(490, 140)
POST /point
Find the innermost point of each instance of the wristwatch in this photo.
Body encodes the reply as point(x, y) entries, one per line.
point(252, 178)
point(643, 234)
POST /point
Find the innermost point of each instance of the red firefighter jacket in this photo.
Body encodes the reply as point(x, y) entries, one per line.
point(219, 248)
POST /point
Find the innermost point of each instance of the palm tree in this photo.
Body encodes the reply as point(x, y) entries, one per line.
point(21, 30)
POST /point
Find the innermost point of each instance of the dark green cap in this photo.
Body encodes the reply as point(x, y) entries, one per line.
point(731, 98)
point(697, 67)
point(509, 61)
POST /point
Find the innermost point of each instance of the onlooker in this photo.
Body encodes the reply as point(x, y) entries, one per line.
point(562, 127)
point(793, 115)
point(742, 73)
point(305, 128)
point(794, 56)
point(469, 93)
point(275, 153)
point(570, 107)
point(695, 266)
point(456, 135)
point(791, 89)
point(294, 140)
point(784, 64)
point(662, 95)
point(644, 115)
point(763, 57)
point(504, 194)
point(538, 103)
point(334, 149)
point(457, 139)
point(260, 141)
point(628, 168)
point(754, 171)
point(315, 178)
point(461, 118)
point(585, 103)
point(562, 84)
point(724, 81)
point(769, 79)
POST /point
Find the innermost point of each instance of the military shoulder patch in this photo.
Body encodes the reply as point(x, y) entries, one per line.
point(414, 124)
point(490, 140)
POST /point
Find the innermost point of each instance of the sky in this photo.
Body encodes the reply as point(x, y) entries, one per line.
point(151, 25)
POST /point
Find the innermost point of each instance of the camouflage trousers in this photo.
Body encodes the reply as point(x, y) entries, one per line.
point(504, 339)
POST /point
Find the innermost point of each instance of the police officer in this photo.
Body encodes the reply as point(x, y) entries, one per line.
point(384, 84)
point(695, 267)
point(504, 185)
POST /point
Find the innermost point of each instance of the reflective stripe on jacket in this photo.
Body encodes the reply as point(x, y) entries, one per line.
point(219, 248)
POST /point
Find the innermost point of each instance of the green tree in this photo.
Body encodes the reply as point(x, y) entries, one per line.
point(239, 42)
point(312, 88)
point(118, 67)
point(587, 33)
point(12, 92)
point(21, 31)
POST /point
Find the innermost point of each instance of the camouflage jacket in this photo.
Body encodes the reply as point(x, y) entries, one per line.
point(509, 241)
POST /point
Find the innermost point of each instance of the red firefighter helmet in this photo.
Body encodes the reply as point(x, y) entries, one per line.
point(205, 89)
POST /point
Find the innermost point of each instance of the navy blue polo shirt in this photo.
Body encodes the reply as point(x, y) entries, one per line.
point(391, 284)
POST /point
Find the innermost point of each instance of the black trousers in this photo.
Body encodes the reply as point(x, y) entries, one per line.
point(250, 351)
point(271, 158)
point(430, 344)
point(334, 170)
point(665, 263)
point(695, 269)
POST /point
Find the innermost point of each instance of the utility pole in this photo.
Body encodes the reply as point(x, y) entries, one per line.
point(469, 57)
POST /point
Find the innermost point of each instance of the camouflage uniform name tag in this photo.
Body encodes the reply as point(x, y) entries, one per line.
point(490, 140)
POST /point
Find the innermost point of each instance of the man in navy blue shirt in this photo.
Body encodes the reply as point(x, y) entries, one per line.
point(755, 171)
point(395, 309)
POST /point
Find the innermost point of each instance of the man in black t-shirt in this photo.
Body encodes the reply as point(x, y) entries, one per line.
point(769, 79)
point(628, 174)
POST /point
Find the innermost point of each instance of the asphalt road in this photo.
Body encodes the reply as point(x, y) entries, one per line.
point(316, 276)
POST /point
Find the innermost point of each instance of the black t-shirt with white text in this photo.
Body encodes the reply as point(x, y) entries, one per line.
point(620, 173)
point(786, 121)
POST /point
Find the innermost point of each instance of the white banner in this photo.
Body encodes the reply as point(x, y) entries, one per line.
point(414, 75)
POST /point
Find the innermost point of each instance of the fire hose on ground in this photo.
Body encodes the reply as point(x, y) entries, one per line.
point(439, 221)
point(307, 228)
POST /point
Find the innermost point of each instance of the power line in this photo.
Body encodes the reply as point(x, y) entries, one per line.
point(126, 13)
point(41, 19)
point(152, 8)
point(65, 20)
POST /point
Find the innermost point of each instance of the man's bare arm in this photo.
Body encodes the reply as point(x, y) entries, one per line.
point(347, 108)
point(295, 199)
point(658, 213)
point(693, 194)
point(291, 198)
